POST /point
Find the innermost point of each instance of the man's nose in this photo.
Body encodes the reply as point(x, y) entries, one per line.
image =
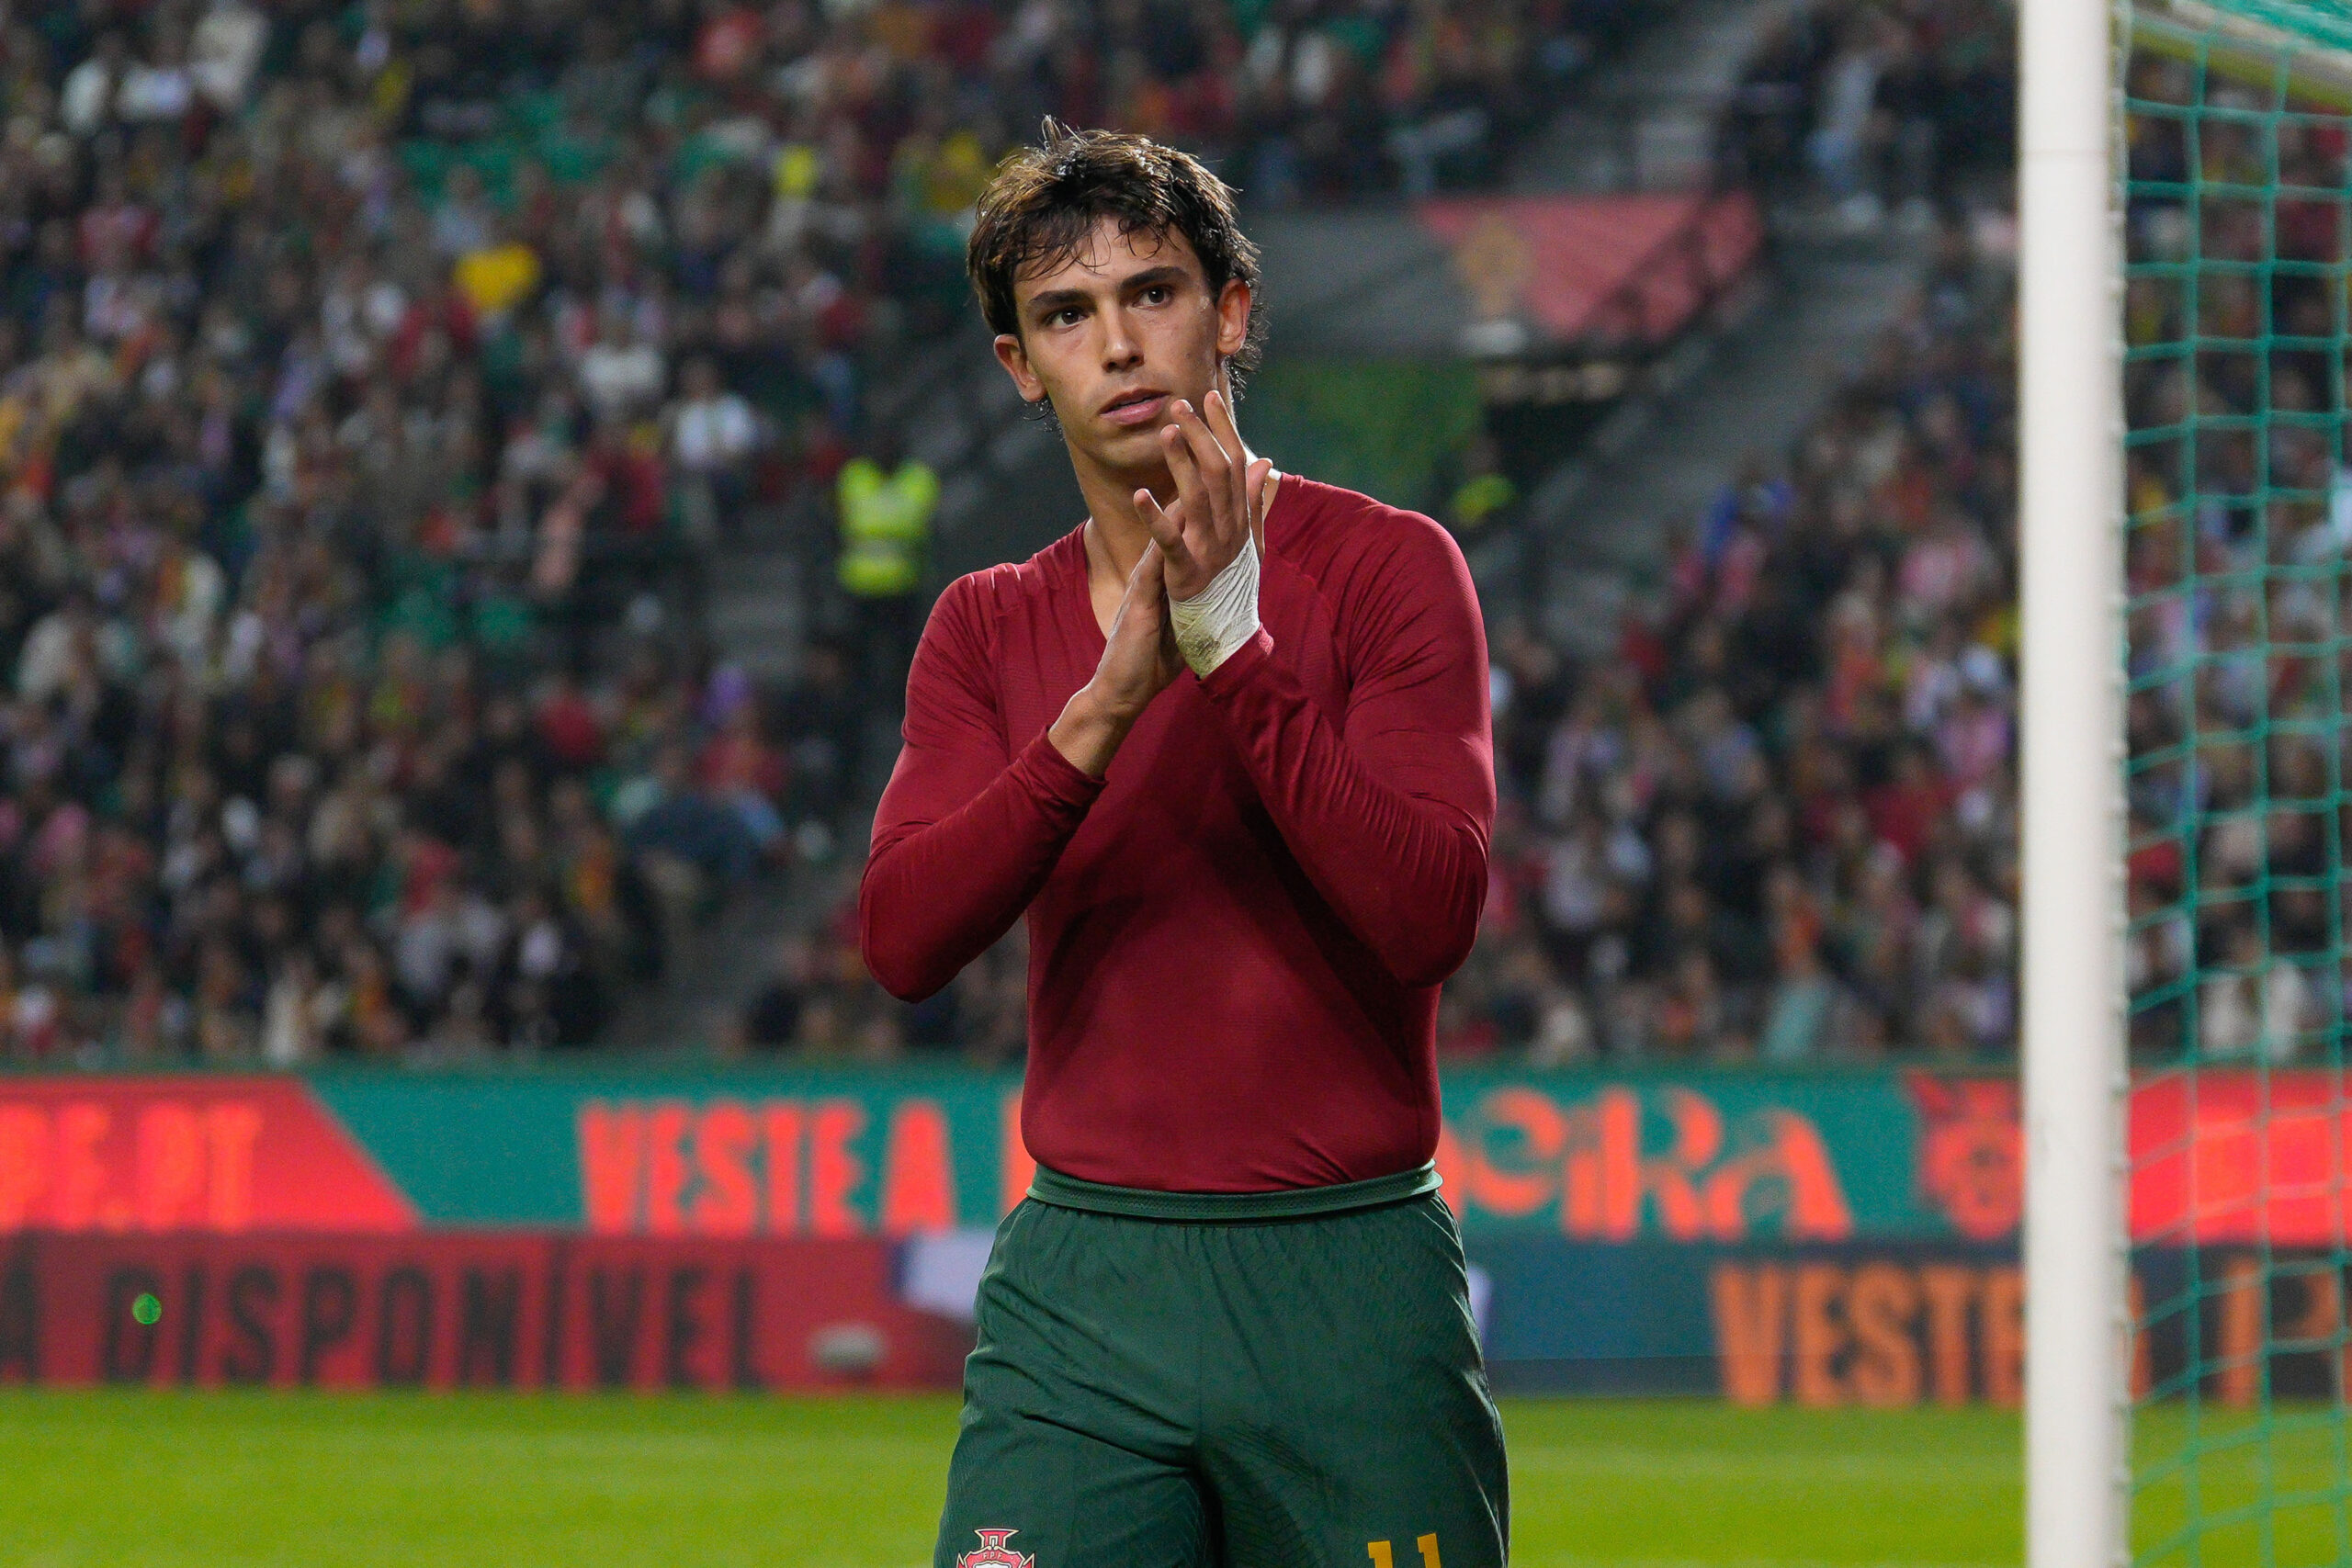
point(1122, 349)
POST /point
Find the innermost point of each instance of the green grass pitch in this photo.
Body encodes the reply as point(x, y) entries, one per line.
point(261, 1481)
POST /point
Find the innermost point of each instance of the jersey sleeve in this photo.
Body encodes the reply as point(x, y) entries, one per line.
point(966, 832)
point(1389, 810)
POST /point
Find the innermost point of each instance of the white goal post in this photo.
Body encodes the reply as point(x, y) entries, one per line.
point(2070, 438)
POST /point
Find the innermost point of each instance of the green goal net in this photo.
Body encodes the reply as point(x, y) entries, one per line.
point(2236, 124)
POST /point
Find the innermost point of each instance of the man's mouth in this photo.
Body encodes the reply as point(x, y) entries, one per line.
point(1143, 406)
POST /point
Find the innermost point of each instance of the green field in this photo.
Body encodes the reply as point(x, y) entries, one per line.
point(514, 1482)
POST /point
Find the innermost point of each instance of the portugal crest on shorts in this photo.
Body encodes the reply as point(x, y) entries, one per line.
point(994, 1553)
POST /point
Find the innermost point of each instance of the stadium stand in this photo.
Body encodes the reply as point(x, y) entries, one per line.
point(2238, 678)
point(358, 470)
point(1776, 818)
point(1879, 108)
point(378, 386)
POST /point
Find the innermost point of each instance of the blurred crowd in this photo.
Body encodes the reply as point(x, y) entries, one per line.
point(357, 471)
point(2241, 512)
point(1778, 819)
point(819, 1000)
point(1878, 108)
point(376, 380)
point(1702, 849)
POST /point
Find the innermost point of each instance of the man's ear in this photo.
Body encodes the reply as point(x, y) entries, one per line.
point(1232, 318)
point(1015, 360)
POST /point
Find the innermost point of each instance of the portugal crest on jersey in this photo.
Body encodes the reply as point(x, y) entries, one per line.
point(994, 1553)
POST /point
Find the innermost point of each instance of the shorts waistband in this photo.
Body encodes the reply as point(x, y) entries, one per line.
point(1147, 1203)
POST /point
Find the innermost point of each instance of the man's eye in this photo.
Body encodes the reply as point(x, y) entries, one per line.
point(1067, 317)
point(1158, 294)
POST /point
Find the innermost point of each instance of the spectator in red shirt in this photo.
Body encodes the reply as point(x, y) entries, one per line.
point(1904, 810)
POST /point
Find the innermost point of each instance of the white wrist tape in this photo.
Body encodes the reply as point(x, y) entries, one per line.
point(1213, 625)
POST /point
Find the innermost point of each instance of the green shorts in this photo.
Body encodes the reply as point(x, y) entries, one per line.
point(1184, 1380)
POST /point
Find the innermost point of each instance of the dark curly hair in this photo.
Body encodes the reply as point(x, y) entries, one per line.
point(1046, 201)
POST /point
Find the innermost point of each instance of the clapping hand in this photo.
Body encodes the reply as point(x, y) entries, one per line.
point(1220, 496)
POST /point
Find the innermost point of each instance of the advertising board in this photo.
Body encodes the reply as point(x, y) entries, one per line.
point(1719, 1158)
point(466, 1309)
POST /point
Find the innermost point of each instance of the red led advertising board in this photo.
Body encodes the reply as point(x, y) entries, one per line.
point(229, 1155)
point(465, 1308)
point(2226, 1158)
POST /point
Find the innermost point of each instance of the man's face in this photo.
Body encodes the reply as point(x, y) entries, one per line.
point(1115, 335)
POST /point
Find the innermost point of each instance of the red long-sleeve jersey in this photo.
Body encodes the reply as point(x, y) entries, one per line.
point(1237, 937)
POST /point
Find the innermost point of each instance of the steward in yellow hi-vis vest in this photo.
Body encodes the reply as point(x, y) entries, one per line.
point(886, 510)
point(885, 526)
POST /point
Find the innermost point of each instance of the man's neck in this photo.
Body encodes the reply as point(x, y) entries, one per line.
point(1116, 534)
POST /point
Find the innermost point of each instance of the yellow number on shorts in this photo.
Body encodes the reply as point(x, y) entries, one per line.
point(1382, 1557)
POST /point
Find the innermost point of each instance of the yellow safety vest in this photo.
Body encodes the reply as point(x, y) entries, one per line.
point(886, 522)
